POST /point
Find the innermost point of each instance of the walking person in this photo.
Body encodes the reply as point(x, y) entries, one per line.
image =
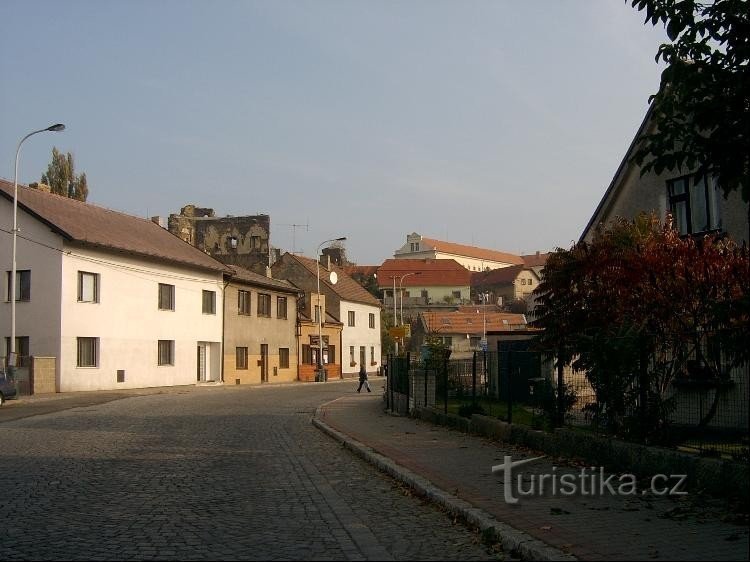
point(363, 379)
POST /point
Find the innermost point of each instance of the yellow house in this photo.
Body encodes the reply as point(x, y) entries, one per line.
point(260, 335)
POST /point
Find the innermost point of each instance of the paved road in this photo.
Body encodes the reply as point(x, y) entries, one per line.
point(206, 473)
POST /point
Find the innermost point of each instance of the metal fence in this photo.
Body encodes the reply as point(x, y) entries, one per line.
point(521, 385)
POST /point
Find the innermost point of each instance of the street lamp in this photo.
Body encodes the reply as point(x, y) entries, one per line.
point(12, 354)
point(402, 295)
point(321, 373)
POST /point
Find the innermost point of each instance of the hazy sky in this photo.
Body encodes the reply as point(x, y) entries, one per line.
point(498, 124)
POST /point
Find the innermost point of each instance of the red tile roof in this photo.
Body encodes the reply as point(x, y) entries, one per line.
point(242, 275)
point(428, 273)
point(473, 252)
point(470, 322)
point(345, 287)
point(535, 260)
point(102, 228)
point(365, 270)
point(501, 276)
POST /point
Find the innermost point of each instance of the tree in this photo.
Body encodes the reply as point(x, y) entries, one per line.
point(62, 179)
point(639, 306)
point(702, 108)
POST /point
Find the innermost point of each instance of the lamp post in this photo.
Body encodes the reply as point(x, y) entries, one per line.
point(321, 373)
point(12, 354)
point(402, 295)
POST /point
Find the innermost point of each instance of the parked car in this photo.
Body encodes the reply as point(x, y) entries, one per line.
point(7, 387)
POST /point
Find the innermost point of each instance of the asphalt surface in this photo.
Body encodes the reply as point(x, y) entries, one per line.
point(198, 473)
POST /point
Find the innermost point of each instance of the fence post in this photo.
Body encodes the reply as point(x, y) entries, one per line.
point(391, 375)
point(474, 379)
point(560, 390)
point(445, 389)
point(510, 386)
point(408, 382)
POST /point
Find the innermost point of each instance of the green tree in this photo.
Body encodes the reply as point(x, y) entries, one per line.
point(702, 108)
point(62, 179)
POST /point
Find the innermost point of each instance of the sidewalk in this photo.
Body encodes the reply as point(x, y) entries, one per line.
point(454, 469)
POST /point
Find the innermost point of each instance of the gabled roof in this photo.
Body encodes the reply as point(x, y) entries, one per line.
point(364, 270)
point(472, 251)
point(242, 275)
point(346, 287)
point(470, 322)
point(428, 273)
point(501, 276)
point(619, 174)
point(97, 227)
point(535, 260)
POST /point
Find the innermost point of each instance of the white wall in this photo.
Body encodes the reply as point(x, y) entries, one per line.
point(39, 250)
point(359, 335)
point(129, 324)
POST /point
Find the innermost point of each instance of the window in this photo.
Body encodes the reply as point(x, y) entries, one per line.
point(456, 294)
point(241, 358)
point(243, 302)
point(264, 305)
point(362, 355)
point(88, 287)
point(87, 352)
point(209, 302)
point(523, 281)
point(23, 285)
point(372, 320)
point(166, 297)
point(166, 352)
point(475, 341)
point(283, 358)
point(694, 203)
point(372, 355)
point(351, 355)
point(351, 318)
point(307, 356)
point(331, 358)
point(448, 341)
point(22, 350)
point(281, 307)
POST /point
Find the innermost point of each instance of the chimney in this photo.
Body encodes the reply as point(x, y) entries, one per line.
point(325, 261)
point(159, 220)
point(268, 272)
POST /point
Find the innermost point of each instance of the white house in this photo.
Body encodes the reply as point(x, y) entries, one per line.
point(117, 300)
point(472, 258)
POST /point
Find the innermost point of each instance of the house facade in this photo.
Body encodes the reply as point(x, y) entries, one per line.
point(462, 330)
point(470, 257)
point(695, 201)
point(260, 329)
point(310, 333)
point(423, 282)
point(117, 300)
point(346, 301)
point(503, 286)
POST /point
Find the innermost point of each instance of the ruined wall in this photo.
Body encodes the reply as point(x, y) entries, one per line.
point(233, 240)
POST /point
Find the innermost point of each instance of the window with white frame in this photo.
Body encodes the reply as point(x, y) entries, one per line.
point(264, 305)
point(88, 287)
point(166, 352)
point(166, 296)
point(88, 353)
point(351, 318)
point(372, 320)
point(241, 358)
point(243, 302)
point(281, 308)
point(209, 302)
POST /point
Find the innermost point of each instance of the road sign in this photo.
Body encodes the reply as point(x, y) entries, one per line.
point(483, 344)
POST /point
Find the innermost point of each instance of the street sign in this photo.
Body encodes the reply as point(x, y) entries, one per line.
point(399, 331)
point(483, 344)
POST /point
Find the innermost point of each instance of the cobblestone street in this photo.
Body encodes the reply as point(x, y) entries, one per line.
point(208, 473)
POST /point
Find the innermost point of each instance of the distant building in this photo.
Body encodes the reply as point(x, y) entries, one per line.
point(242, 240)
point(472, 258)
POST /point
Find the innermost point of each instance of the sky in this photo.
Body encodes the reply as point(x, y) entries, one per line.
point(497, 124)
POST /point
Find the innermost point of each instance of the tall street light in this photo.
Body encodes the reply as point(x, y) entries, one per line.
point(12, 354)
point(321, 373)
point(405, 275)
point(395, 316)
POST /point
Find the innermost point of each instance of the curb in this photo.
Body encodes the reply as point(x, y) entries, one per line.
point(513, 541)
